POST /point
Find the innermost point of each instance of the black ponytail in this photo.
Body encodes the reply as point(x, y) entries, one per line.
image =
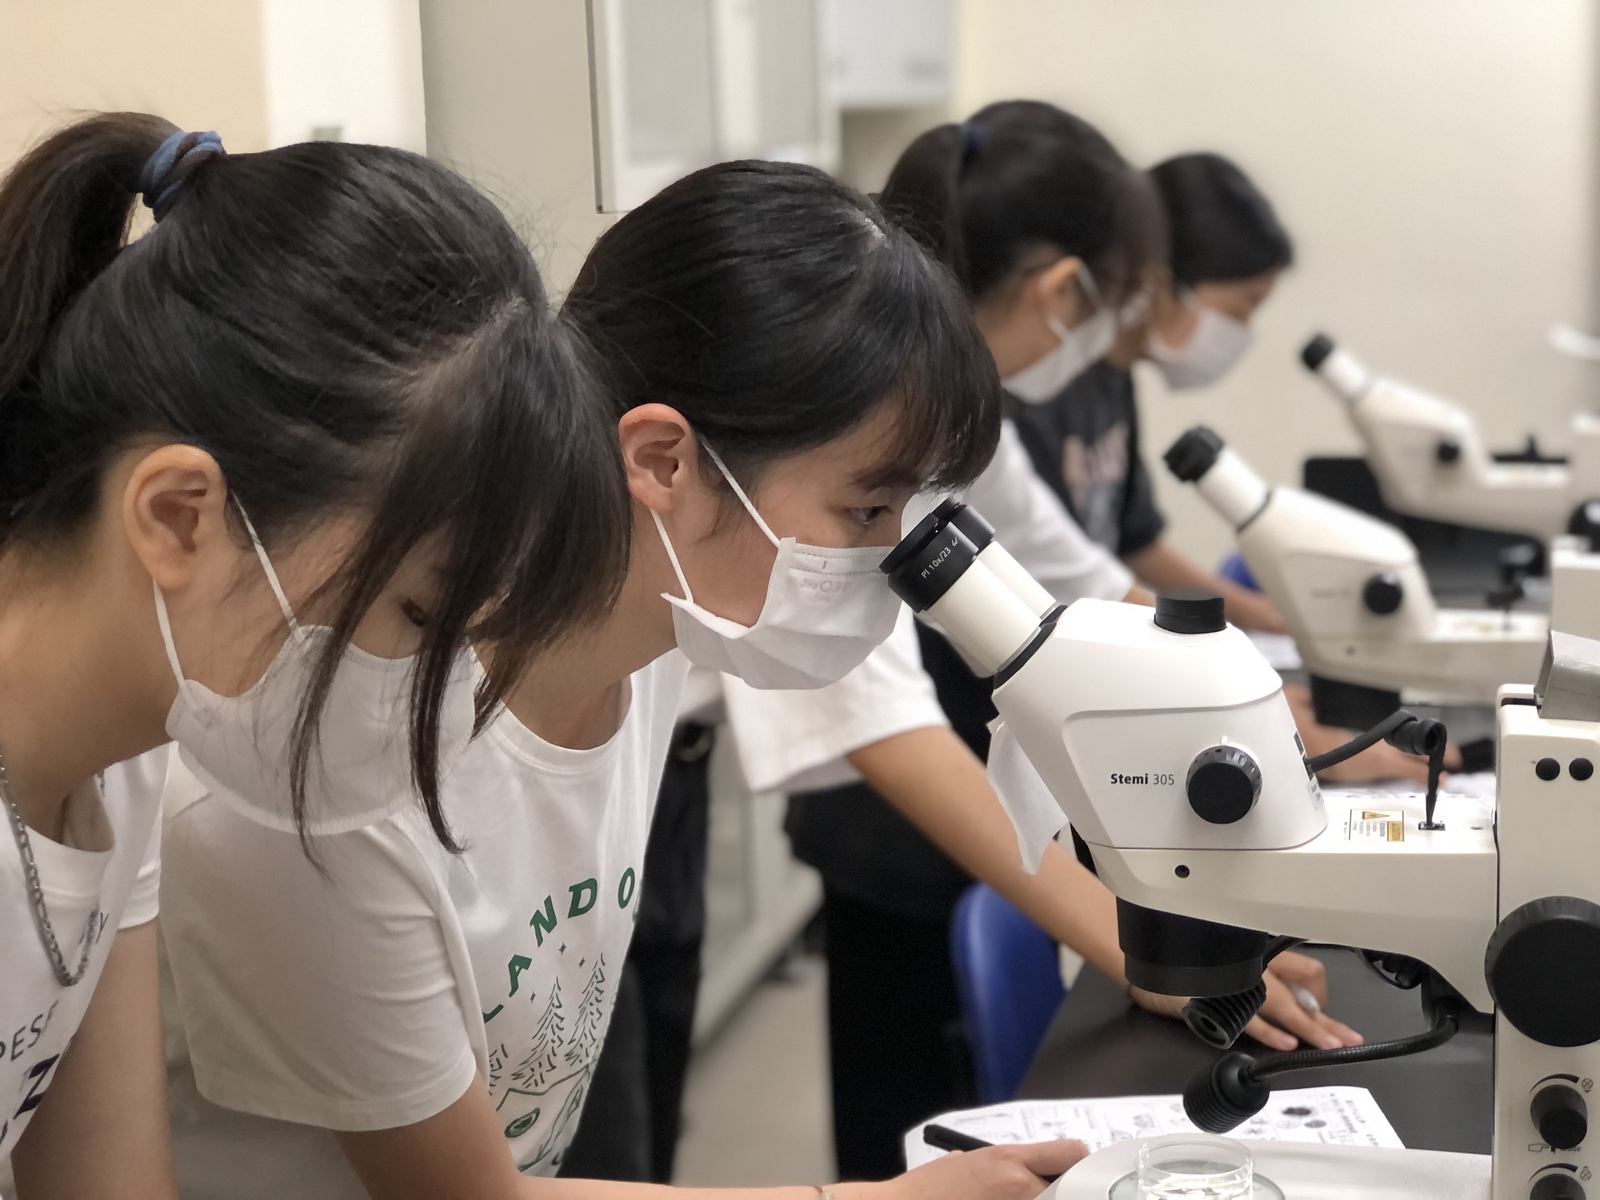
point(347, 330)
point(1222, 227)
point(1018, 179)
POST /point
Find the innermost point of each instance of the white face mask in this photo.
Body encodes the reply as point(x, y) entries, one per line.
point(361, 766)
point(826, 609)
point(1079, 349)
point(1216, 343)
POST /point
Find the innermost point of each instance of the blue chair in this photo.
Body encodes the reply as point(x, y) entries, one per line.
point(1008, 974)
point(1234, 570)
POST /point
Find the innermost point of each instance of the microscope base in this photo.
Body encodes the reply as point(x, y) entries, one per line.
point(1312, 1172)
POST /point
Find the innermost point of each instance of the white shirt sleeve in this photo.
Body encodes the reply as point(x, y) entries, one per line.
point(326, 998)
point(796, 741)
point(1031, 522)
point(144, 898)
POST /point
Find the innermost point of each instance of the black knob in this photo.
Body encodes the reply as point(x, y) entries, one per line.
point(1383, 593)
point(1190, 610)
point(1447, 451)
point(1543, 969)
point(1560, 1115)
point(1223, 784)
point(1558, 1185)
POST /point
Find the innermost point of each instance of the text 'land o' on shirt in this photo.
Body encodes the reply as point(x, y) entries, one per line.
point(108, 861)
point(367, 996)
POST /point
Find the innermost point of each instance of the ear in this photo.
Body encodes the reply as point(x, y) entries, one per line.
point(174, 511)
point(1055, 290)
point(659, 455)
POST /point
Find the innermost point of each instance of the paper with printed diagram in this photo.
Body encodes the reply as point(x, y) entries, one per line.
point(1344, 1116)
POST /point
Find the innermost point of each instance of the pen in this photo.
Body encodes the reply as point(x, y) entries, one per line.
point(942, 1137)
point(1304, 998)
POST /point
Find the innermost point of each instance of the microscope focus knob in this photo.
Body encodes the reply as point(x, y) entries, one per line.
point(1557, 1185)
point(1560, 1115)
point(1543, 970)
point(1383, 593)
point(1223, 784)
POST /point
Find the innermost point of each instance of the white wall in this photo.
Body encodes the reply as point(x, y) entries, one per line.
point(354, 66)
point(195, 62)
point(1431, 157)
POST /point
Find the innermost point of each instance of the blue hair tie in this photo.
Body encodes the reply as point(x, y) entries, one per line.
point(165, 171)
point(972, 139)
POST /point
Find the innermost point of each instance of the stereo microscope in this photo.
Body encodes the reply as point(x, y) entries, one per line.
point(1164, 739)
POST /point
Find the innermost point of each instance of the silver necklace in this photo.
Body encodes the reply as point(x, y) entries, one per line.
point(41, 915)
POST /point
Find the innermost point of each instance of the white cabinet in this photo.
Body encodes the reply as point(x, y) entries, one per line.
point(892, 53)
point(682, 83)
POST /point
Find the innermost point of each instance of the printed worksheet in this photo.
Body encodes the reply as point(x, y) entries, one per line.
point(1344, 1116)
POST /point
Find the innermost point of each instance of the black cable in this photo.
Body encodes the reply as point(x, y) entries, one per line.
point(1362, 741)
point(1405, 731)
point(1303, 1060)
point(1234, 1088)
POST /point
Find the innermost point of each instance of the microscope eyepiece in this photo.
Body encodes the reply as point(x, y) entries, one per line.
point(1315, 352)
point(929, 560)
point(1194, 453)
point(967, 519)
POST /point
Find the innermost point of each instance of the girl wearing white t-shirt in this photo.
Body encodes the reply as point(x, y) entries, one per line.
point(330, 339)
point(786, 369)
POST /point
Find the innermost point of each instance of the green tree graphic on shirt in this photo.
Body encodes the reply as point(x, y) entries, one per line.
point(585, 1044)
point(549, 1035)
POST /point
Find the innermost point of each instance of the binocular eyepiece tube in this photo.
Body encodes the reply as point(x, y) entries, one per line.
point(951, 568)
point(1200, 457)
point(1340, 369)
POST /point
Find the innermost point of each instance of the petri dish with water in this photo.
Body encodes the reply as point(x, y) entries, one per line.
point(1195, 1167)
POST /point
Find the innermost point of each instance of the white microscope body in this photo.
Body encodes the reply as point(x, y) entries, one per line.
point(1165, 739)
point(1352, 591)
point(1575, 587)
point(1430, 459)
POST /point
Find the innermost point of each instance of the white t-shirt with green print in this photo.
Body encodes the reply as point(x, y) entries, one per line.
point(371, 994)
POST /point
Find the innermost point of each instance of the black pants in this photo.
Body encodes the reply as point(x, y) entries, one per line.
point(631, 1119)
point(893, 1032)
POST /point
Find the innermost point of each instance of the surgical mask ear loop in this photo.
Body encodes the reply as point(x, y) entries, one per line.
point(1091, 293)
point(1091, 289)
point(165, 621)
point(266, 568)
point(743, 499)
point(672, 555)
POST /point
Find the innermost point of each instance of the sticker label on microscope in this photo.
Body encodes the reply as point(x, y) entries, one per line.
point(1370, 825)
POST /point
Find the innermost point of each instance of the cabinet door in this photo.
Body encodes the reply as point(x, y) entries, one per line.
point(891, 53)
point(655, 97)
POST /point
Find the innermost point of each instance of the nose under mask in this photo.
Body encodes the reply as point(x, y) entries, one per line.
point(826, 609)
point(360, 770)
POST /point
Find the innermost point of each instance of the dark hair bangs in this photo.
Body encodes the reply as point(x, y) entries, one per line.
point(944, 388)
